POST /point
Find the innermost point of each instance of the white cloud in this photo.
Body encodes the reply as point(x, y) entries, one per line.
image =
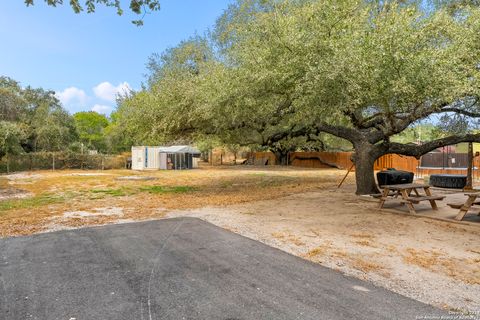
point(72, 96)
point(100, 108)
point(108, 92)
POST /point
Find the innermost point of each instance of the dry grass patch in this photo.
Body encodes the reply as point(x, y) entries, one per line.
point(365, 243)
point(422, 258)
point(366, 266)
point(463, 269)
point(278, 235)
point(350, 259)
point(296, 241)
point(363, 236)
point(318, 251)
point(364, 239)
point(53, 193)
point(288, 238)
point(340, 254)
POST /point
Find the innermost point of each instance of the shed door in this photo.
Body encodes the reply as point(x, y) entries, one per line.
point(163, 161)
point(137, 159)
point(151, 159)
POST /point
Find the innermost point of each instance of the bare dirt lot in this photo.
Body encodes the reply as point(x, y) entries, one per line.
point(297, 210)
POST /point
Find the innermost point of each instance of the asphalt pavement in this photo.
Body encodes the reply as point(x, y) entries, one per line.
point(181, 268)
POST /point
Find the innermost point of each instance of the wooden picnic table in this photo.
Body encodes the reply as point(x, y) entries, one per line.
point(405, 192)
point(466, 206)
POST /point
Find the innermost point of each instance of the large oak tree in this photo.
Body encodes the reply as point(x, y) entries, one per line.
point(363, 71)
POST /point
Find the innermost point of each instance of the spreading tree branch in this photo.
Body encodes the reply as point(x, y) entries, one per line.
point(461, 111)
point(419, 150)
point(346, 133)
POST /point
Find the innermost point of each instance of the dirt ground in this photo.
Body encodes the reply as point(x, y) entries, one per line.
point(45, 200)
point(297, 210)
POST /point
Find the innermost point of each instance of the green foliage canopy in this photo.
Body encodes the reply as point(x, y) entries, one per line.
point(90, 127)
point(10, 138)
point(36, 115)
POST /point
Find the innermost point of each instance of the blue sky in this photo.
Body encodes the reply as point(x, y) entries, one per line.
point(87, 58)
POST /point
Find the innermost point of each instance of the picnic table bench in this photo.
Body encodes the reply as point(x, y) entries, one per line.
point(466, 206)
point(405, 192)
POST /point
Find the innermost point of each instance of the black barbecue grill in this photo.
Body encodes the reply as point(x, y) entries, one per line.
point(393, 176)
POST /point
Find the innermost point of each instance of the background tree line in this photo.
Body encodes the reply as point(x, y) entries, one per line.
point(33, 119)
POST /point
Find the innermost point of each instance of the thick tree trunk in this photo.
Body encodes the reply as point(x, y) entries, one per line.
point(281, 157)
point(364, 159)
point(8, 163)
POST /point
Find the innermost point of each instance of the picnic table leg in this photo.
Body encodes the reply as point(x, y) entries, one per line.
point(432, 202)
point(464, 209)
point(384, 196)
point(410, 206)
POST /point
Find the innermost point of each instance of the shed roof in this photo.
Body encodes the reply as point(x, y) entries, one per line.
point(179, 149)
point(172, 149)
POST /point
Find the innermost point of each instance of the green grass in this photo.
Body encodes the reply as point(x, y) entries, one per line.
point(109, 192)
point(94, 194)
point(37, 201)
point(164, 189)
point(226, 184)
point(258, 174)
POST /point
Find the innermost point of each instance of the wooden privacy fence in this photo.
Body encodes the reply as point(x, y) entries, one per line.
point(218, 157)
point(396, 161)
point(339, 160)
point(264, 158)
point(342, 160)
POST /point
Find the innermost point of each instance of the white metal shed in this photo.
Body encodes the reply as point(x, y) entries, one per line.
point(164, 158)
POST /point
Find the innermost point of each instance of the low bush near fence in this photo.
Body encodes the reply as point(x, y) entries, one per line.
point(61, 160)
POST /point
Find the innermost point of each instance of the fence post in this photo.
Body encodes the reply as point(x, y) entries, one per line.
point(469, 167)
point(103, 162)
point(8, 162)
point(53, 161)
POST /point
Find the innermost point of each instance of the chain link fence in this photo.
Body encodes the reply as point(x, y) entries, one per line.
point(61, 160)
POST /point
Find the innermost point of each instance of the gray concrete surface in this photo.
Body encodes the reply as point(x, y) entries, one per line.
point(178, 269)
